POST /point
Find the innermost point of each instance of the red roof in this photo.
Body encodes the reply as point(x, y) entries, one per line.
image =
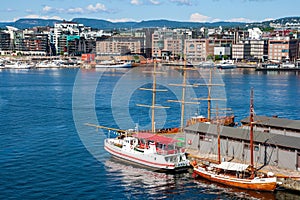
point(156, 138)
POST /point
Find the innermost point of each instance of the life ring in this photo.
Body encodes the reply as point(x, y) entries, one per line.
point(189, 142)
point(131, 146)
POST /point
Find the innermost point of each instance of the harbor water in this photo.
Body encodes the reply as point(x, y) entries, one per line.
point(47, 152)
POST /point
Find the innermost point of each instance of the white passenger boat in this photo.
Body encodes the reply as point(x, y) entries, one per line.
point(152, 151)
point(113, 64)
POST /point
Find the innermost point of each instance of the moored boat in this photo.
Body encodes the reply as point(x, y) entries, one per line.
point(113, 64)
point(226, 64)
point(17, 65)
point(149, 150)
point(236, 174)
point(153, 151)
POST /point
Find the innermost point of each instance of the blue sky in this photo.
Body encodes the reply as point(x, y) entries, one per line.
point(138, 10)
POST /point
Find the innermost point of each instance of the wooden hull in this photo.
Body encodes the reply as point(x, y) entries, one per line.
point(226, 120)
point(264, 184)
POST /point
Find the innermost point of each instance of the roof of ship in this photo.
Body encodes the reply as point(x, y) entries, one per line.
point(155, 138)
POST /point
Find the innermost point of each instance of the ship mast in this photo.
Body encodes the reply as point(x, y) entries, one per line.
point(251, 134)
point(209, 99)
point(219, 137)
point(184, 85)
point(153, 106)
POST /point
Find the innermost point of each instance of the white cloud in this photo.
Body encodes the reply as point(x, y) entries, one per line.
point(268, 19)
point(75, 10)
point(155, 2)
point(241, 19)
point(40, 17)
point(47, 9)
point(135, 2)
point(10, 10)
point(182, 2)
point(96, 8)
point(197, 17)
point(122, 20)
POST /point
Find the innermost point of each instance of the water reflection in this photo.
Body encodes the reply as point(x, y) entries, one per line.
point(143, 183)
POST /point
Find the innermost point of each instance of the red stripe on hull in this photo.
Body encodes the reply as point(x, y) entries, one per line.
point(144, 162)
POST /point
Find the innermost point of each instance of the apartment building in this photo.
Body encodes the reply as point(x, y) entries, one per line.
point(120, 45)
point(36, 44)
point(258, 49)
point(240, 51)
point(212, 43)
point(4, 43)
point(281, 48)
point(196, 49)
point(250, 49)
point(60, 33)
point(169, 40)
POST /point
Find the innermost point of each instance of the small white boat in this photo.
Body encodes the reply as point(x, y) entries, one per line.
point(113, 64)
point(288, 65)
point(272, 66)
point(207, 64)
point(17, 65)
point(48, 64)
point(226, 64)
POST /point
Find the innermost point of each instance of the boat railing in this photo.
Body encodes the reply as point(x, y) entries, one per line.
point(169, 151)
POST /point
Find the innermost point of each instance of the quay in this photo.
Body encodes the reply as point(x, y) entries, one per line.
point(276, 146)
point(288, 179)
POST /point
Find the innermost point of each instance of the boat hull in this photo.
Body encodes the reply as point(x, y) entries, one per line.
point(123, 65)
point(154, 162)
point(264, 184)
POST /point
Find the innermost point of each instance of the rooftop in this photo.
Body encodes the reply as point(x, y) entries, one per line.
point(243, 134)
point(279, 123)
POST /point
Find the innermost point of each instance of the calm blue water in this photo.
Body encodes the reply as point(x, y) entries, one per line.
point(48, 153)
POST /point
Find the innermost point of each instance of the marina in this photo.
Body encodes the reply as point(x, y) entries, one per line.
point(52, 133)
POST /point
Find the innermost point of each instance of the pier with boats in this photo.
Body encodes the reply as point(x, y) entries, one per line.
point(243, 157)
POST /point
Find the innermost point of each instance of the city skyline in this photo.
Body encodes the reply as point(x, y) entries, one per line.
point(138, 10)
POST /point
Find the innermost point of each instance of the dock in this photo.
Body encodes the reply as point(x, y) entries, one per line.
point(288, 179)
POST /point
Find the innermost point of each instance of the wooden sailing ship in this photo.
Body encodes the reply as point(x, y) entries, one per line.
point(236, 174)
point(227, 120)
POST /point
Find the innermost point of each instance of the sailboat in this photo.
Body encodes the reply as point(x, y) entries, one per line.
point(227, 120)
point(147, 149)
point(236, 174)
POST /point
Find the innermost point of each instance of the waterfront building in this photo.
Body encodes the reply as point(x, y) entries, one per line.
point(275, 125)
point(222, 51)
point(121, 45)
point(171, 40)
point(240, 51)
point(254, 50)
point(64, 34)
point(36, 44)
point(195, 49)
point(270, 149)
point(258, 49)
point(4, 43)
point(216, 42)
point(281, 48)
